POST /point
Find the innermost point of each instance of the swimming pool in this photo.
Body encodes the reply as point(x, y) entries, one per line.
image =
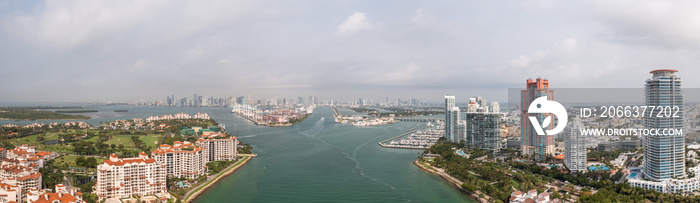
point(598, 168)
point(633, 175)
point(461, 153)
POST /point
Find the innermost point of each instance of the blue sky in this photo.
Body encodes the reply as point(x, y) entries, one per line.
point(132, 50)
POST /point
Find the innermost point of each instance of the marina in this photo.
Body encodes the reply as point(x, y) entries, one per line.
point(417, 139)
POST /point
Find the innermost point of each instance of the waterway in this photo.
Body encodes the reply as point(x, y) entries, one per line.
point(316, 160)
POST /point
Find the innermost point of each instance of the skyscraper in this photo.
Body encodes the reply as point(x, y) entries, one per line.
point(540, 146)
point(483, 130)
point(449, 121)
point(664, 155)
point(457, 133)
point(575, 147)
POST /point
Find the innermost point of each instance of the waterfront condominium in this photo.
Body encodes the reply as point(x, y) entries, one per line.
point(539, 146)
point(664, 155)
point(183, 159)
point(450, 123)
point(219, 147)
point(483, 130)
point(127, 177)
point(575, 147)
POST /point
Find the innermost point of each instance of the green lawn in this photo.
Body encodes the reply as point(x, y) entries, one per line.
point(516, 184)
point(31, 140)
point(149, 140)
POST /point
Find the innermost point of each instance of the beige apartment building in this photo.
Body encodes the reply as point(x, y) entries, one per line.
point(182, 159)
point(126, 177)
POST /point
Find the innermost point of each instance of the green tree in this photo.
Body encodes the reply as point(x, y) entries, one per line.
point(80, 161)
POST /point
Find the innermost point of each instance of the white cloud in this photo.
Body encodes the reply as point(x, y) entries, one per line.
point(355, 23)
point(73, 24)
point(521, 61)
point(568, 44)
point(420, 16)
point(661, 23)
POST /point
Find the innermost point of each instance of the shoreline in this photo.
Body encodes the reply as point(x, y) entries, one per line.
point(451, 181)
point(46, 119)
point(199, 190)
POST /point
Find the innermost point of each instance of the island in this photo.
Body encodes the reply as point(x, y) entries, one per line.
point(274, 116)
point(35, 113)
point(75, 155)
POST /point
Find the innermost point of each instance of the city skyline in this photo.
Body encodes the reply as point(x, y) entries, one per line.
point(63, 51)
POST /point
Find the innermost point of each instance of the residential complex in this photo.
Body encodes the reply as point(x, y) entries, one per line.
point(61, 195)
point(477, 127)
point(539, 146)
point(664, 155)
point(19, 171)
point(10, 193)
point(483, 130)
point(182, 159)
point(143, 176)
point(219, 147)
point(127, 177)
point(575, 147)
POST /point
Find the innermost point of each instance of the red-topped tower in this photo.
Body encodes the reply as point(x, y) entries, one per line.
point(540, 146)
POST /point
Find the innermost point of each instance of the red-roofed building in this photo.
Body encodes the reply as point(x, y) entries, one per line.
point(61, 195)
point(220, 147)
point(10, 193)
point(127, 177)
point(24, 177)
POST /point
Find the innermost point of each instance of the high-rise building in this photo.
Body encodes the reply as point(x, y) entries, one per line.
point(494, 107)
point(539, 146)
point(127, 177)
point(575, 147)
point(461, 131)
point(182, 159)
point(456, 120)
point(449, 122)
point(664, 155)
point(220, 147)
point(483, 130)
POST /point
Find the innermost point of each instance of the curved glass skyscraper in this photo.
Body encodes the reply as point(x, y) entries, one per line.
point(664, 155)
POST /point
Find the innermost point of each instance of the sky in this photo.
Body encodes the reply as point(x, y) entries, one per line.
point(64, 51)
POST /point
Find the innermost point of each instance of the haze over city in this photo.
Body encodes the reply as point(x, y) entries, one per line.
point(132, 50)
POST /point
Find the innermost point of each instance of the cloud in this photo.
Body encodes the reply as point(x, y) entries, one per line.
point(667, 24)
point(420, 16)
point(357, 22)
point(74, 24)
point(567, 44)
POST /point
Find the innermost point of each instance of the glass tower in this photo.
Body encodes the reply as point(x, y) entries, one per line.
point(450, 122)
point(664, 155)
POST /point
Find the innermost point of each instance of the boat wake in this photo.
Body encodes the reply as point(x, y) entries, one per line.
point(318, 127)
